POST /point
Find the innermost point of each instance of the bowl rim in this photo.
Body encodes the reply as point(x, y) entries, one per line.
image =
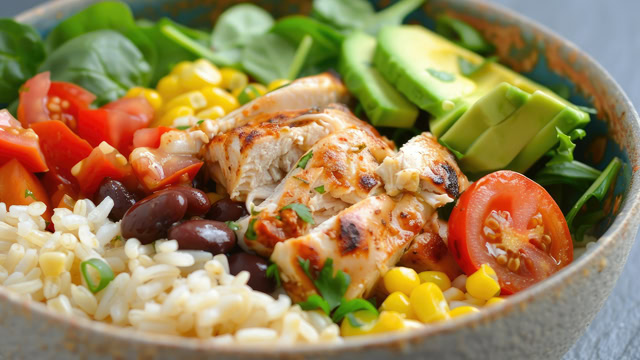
point(627, 220)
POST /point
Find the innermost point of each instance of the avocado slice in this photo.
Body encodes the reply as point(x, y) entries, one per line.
point(490, 110)
point(567, 120)
point(423, 66)
point(499, 145)
point(382, 103)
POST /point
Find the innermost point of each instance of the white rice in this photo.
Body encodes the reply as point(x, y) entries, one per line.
point(157, 287)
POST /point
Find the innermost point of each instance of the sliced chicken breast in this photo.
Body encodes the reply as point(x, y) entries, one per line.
point(429, 250)
point(253, 158)
point(364, 241)
point(337, 172)
point(304, 93)
point(426, 168)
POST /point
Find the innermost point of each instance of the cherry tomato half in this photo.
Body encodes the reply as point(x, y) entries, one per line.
point(512, 224)
point(19, 143)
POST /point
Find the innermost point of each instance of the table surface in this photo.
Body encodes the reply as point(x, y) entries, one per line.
point(610, 32)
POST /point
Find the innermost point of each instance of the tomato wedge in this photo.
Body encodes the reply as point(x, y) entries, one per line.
point(21, 144)
point(512, 224)
point(43, 100)
point(157, 169)
point(18, 186)
point(103, 162)
point(149, 137)
point(62, 148)
point(115, 123)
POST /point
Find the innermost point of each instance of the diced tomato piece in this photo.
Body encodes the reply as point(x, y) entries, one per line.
point(21, 144)
point(33, 95)
point(149, 137)
point(103, 162)
point(156, 169)
point(62, 148)
point(115, 123)
point(43, 100)
point(18, 186)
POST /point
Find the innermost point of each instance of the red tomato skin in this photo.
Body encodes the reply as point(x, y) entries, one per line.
point(61, 147)
point(15, 180)
point(78, 97)
point(33, 96)
point(21, 144)
point(97, 167)
point(149, 137)
point(461, 235)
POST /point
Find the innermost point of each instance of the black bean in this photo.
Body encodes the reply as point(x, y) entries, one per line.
point(227, 210)
point(256, 266)
point(197, 201)
point(208, 235)
point(149, 219)
point(122, 198)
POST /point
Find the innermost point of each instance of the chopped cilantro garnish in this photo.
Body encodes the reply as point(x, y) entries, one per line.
point(360, 148)
point(302, 210)
point(332, 289)
point(200, 122)
point(320, 189)
point(232, 225)
point(183, 127)
point(274, 273)
point(278, 217)
point(29, 193)
point(304, 160)
point(441, 75)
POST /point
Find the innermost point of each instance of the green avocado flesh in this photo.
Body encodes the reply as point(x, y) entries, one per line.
point(500, 144)
point(493, 118)
point(490, 110)
point(382, 103)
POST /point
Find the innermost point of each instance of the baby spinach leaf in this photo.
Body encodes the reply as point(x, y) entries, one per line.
point(326, 40)
point(21, 52)
point(103, 15)
point(104, 62)
point(572, 173)
point(463, 34)
point(238, 25)
point(343, 14)
point(177, 36)
point(268, 57)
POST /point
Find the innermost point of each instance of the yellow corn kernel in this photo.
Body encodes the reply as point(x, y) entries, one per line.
point(169, 87)
point(152, 96)
point(200, 74)
point(428, 303)
point(220, 97)
point(401, 279)
point(493, 301)
point(399, 303)
point(193, 99)
point(172, 114)
point(277, 84)
point(463, 310)
point(180, 67)
point(52, 263)
point(437, 277)
point(233, 79)
point(483, 284)
point(211, 113)
point(385, 322)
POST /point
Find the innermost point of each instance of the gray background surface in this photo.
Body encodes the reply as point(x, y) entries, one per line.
point(609, 30)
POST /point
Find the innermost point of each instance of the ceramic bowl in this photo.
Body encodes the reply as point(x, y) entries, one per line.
point(541, 322)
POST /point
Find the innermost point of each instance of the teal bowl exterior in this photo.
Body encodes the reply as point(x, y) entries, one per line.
point(539, 323)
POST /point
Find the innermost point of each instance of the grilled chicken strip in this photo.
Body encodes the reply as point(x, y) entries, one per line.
point(253, 158)
point(313, 91)
point(425, 168)
point(364, 241)
point(429, 250)
point(337, 172)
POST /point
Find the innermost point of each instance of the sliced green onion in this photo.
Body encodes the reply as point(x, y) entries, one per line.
point(103, 269)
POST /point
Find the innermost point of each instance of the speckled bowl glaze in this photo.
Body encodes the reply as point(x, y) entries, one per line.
point(541, 322)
